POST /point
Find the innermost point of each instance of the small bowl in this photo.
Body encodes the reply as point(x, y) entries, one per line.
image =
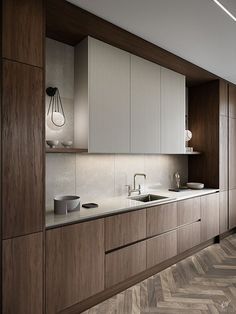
point(195, 185)
point(66, 203)
point(67, 144)
point(52, 144)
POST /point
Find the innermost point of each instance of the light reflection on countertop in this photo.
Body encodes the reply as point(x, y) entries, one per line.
point(115, 205)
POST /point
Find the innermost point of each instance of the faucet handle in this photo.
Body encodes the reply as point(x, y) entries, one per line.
point(129, 189)
point(139, 189)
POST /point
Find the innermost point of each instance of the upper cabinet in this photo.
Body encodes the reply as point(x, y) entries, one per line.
point(126, 104)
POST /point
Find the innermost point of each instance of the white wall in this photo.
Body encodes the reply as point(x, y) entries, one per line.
point(95, 177)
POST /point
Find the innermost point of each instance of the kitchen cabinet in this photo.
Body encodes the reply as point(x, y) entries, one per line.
point(124, 229)
point(22, 275)
point(102, 97)
point(125, 263)
point(161, 248)
point(232, 101)
point(232, 208)
point(74, 264)
point(189, 236)
point(161, 218)
point(188, 211)
point(224, 213)
point(209, 216)
point(172, 112)
point(145, 106)
point(224, 136)
point(232, 153)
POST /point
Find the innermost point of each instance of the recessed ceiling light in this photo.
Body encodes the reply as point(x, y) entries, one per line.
point(224, 9)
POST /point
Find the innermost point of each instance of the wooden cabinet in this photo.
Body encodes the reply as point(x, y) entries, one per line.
point(188, 211)
point(124, 229)
point(232, 153)
point(172, 112)
point(104, 97)
point(209, 216)
point(23, 153)
point(232, 101)
point(224, 216)
point(22, 277)
point(189, 236)
point(23, 31)
point(145, 106)
point(161, 248)
point(125, 263)
point(74, 264)
point(224, 153)
point(161, 218)
point(232, 208)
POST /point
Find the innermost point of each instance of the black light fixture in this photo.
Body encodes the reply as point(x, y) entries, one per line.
point(55, 115)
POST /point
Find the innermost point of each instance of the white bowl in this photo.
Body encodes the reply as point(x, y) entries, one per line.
point(67, 143)
point(195, 185)
point(52, 143)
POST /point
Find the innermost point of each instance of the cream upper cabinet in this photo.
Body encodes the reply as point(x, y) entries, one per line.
point(145, 106)
point(172, 112)
point(102, 97)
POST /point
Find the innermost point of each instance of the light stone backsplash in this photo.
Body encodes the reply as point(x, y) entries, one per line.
point(94, 177)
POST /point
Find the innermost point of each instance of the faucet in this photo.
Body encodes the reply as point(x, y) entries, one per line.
point(139, 186)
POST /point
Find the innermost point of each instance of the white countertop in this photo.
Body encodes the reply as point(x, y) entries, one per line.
point(120, 204)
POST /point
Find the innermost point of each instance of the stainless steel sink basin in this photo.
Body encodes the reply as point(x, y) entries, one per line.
point(148, 198)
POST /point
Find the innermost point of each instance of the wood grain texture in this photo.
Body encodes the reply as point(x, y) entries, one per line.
point(161, 248)
point(224, 212)
point(161, 218)
point(70, 24)
point(209, 216)
point(124, 229)
point(224, 98)
point(232, 208)
point(23, 31)
point(23, 154)
point(204, 123)
point(232, 101)
point(125, 263)
point(74, 264)
point(188, 211)
point(232, 153)
point(224, 153)
point(188, 236)
point(22, 265)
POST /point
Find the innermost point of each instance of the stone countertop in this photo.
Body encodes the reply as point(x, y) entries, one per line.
point(120, 204)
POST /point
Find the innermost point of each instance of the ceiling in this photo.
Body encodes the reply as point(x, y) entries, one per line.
point(196, 30)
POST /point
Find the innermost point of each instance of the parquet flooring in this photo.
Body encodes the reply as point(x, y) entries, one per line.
point(200, 284)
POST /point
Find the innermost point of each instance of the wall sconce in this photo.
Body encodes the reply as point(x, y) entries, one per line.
point(55, 114)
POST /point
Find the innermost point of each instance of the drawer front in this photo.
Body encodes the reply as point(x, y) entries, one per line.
point(124, 229)
point(125, 263)
point(161, 248)
point(161, 219)
point(189, 211)
point(188, 236)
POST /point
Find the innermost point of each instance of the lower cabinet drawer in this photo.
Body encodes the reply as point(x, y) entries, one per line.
point(161, 248)
point(125, 263)
point(189, 236)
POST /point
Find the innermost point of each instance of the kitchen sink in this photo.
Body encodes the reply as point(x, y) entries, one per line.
point(148, 198)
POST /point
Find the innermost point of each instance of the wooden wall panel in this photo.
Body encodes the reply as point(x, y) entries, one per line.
point(232, 101)
point(23, 31)
point(22, 265)
point(23, 147)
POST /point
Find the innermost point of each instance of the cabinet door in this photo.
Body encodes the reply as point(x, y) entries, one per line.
point(161, 218)
point(232, 209)
point(189, 236)
point(224, 216)
point(124, 229)
point(22, 275)
point(232, 101)
point(210, 216)
point(109, 99)
point(125, 263)
point(224, 153)
point(74, 264)
point(161, 248)
point(232, 153)
point(189, 211)
point(145, 106)
point(172, 112)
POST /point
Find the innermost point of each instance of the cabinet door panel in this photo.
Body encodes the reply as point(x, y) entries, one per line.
point(22, 276)
point(161, 248)
point(189, 211)
point(145, 106)
point(125, 263)
point(232, 209)
point(23, 154)
point(232, 101)
point(124, 229)
point(74, 264)
point(224, 211)
point(172, 112)
point(224, 153)
point(109, 99)
point(210, 216)
point(189, 236)
point(232, 153)
point(161, 218)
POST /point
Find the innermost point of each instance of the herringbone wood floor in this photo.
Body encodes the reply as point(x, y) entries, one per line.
point(203, 283)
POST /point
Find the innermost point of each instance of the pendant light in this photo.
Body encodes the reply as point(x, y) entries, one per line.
point(55, 115)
